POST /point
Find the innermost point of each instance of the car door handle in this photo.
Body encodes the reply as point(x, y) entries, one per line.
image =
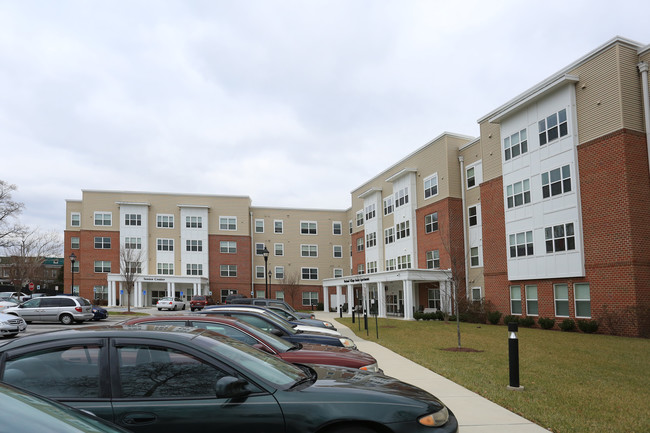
point(139, 418)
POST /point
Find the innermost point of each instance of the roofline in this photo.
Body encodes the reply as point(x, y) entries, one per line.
point(102, 191)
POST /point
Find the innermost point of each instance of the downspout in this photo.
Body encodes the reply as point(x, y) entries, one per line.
point(250, 222)
point(465, 233)
point(643, 69)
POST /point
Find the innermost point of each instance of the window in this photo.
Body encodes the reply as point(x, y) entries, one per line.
point(165, 268)
point(404, 262)
point(279, 272)
point(228, 247)
point(228, 270)
point(474, 259)
point(521, 244)
point(371, 240)
point(228, 223)
point(371, 267)
point(103, 218)
point(309, 273)
point(582, 299)
point(476, 294)
point(403, 230)
point(361, 269)
point(401, 197)
point(553, 127)
point(338, 272)
point(370, 211)
point(359, 218)
point(531, 301)
point(390, 265)
point(165, 221)
point(560, 238)
point(75, 267)
point(102, 266)
point(433, 299)
point(74, 242)
point(133, 268)
point(350, 223)
point(308, 228)
point(516, 144)
point(278, 227)
point(259, 249)
point(193, 222)
point(518, 193)
point(433, 259)
point(556, 182)
point(133, 243)
point(259, 272)
point(389, 235)
point(259, 226)
point(472, 215)
point(193, 245)
point(132, 219)
point(194, 269)
point(338, 251)
point(75, 219)
point(165, 244)
point(278, 249)
point(359, 244)
point(561, 294)
point(471, 177)
point(515, 300)
point(337, 228)
point(309, 250)
point(431, 223)
point(431, 186)
point(100, 293)
point(388, 205)
point(309, 298)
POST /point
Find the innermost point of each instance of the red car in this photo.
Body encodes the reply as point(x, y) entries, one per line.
point(249, 334)
point(199, 302)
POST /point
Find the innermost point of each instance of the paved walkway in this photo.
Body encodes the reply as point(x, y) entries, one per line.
point(475, 414)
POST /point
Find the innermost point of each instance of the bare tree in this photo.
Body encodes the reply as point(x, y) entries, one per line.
point(455, 275)
point(131, 260)
point(27, 250)
point(291, 286)
point(9, 210)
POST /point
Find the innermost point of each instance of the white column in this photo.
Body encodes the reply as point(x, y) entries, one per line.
point(381, 298)
point(408, 299)
point(350, 299)
point(339, 298)
point(111, 294)
point(326, 299)
point(365, 295)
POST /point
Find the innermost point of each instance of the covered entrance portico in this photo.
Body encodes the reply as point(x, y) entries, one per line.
point(391, 294)
point(148, 289)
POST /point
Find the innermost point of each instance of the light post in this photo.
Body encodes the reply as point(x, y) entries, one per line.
point(265, 253)
point(73, 258)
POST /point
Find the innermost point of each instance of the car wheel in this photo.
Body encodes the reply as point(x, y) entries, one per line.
point(175, 307)
point(192, 309)
point(66, 319)
point(159, 309)
point(183, 306)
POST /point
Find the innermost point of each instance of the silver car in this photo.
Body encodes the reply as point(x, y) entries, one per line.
point(64, 309)
point(11, 325)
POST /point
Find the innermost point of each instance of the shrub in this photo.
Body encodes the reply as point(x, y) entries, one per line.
point(526, 321)
point(429, 316)
point(567, 325)
point(588, 326)
point(545, 322)
point(494, 317)
point(418, 315)
point(509, 318)
point(440, 315)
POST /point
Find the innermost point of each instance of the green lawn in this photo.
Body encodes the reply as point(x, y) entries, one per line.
point(573, 382)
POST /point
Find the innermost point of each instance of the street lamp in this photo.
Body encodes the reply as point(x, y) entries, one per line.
point(265, 253)
point(73, 259)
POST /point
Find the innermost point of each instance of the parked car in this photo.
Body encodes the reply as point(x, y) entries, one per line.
point(199, 302)
point(282, 328)
point(295, 353)
point(20, 296)
point(99, 313)
point(170, 303)
point(276, 302)
point(8, 302)
point(32, 413)
point(11, 325)
point(290, 317)
point(61, 308)
point(230, 298)
point(171, 379)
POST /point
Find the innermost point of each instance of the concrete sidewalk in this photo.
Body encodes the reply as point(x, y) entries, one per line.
point(475, 414)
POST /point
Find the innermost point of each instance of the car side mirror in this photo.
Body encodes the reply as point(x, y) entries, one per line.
point(231, 387)
point(276, 332)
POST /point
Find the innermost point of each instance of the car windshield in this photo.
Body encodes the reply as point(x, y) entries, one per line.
point(165, 299)
point(270, 368)
point(198, 298)
point(279, 344)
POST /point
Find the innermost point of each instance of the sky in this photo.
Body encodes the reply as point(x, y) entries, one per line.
point(293, 103)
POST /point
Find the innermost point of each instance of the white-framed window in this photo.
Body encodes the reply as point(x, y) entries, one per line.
point(361, 269)
point(259, 271)
point(389, 235)
point(75, 267)
point(100, 292)
point(133, 243)
point(338, 251)
point(521, 244)
point(228, 247)
point(476, 294)
point(278, 227)
point(359, 244)
point(359, 218)
point(472, 215)
point(431, 223)
point(308, 228)
point(134, 267)
point(532, 307)
point(388, 205)
point(474, 258)
point(132, 219)
point(433, 259)
point(371, 240)
point(371, 267)
point(103, 218)
point(371, 211)
point(431, 186)
point(279, 272)
point(390, 265)
point(309, 298)
point(193, 245)
point(582, 299)
point(194, 269)
point(193, 222)
point(471, 177)
point(337, 228)
point(165, 268)
point(556, 181)
point(165, 221)
point(433, 299)
point(309, 273)
point(515, 145)
point(102, 266)
point(338, 273)
point(102, 243)
point(259, 249)
point(259, 226)
point(228, 223)
point(165, 244)
point(560, 238)
point(403, 229)
point(350, 223)
point(228, 270)
point(279, 295)
point(561, 297)
point(278, 249)
point(515, 300)
point(75, 219)
point(553, 127)
point(404, 262)
point(401, 197)
point(308, 250)
point(518, 194)
point(74, 242)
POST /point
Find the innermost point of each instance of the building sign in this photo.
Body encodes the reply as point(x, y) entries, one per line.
point(153, 279)
point(356, 280)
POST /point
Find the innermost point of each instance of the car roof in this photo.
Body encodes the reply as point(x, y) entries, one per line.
point(184, 317)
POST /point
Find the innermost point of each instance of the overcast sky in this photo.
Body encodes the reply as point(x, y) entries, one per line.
point(293, 103)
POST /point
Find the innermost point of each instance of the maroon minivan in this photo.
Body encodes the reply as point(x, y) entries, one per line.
point(199, 302)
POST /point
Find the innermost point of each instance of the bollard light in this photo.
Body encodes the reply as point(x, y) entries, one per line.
point(513, 355)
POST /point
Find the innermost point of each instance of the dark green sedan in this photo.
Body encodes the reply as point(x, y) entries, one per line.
point(174, 379)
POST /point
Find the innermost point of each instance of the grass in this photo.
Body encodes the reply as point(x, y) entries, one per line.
point(573, 382)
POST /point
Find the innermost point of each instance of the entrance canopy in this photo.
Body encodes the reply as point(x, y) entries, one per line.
point(144, 285)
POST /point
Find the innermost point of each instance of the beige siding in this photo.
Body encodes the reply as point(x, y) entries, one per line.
point(72, 206)
point(631, 91)
point(491, 150)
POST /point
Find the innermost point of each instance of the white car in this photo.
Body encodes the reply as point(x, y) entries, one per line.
point(11, 325)
point(170, 303)
point(20, 296)
point(8, 303)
